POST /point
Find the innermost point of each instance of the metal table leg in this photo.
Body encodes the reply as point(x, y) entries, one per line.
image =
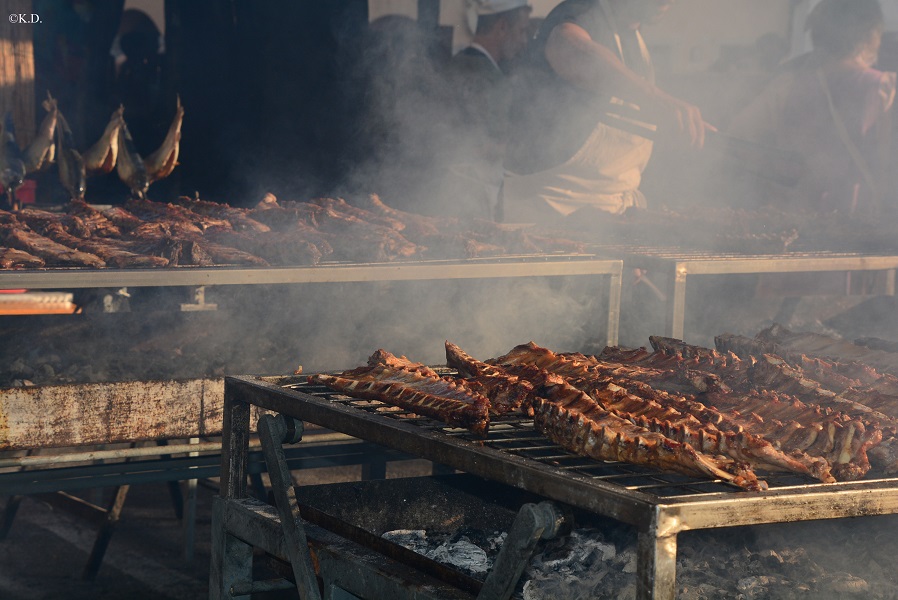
point(614, 292)
point(656, 566)
point(9, 514)
point(232, 559)
point(189, 516)
point(105, 534)
point(676, 314)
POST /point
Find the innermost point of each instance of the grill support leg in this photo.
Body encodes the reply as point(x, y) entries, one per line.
point(113, 513)
point(232, 559)
point(615, 282)
point(9, 515)
point(676, 298)
point(273, 432)
point(533, 523)
point(656, 566)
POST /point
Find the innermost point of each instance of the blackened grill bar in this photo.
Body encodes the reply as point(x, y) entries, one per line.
point(660, 505)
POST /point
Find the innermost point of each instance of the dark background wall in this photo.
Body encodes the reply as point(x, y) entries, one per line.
point(273, 92)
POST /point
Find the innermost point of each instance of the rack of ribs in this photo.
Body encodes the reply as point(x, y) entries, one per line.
point(414, 387)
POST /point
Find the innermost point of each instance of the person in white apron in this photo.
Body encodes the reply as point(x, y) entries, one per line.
point(583, 134)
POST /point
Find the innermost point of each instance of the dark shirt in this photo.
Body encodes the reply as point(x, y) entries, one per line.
point(552, 118)
point(482, 96)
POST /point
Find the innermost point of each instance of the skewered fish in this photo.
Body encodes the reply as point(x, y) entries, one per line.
point(102, 156)
point(130, 166)
point(162, 162)
point(12, 163)
point(72, 172)
point(42, 149)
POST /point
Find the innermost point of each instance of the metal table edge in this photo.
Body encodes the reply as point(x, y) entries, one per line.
point(523, 266)
point(631, 507)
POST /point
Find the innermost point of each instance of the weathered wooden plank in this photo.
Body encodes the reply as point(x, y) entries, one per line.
point(17, 69)
point(102, 413)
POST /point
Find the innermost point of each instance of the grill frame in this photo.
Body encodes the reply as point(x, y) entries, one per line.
point(502, 267)
point(658, 519)
point(679, 264)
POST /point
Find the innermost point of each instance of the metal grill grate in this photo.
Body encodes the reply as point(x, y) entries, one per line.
point(517, 436)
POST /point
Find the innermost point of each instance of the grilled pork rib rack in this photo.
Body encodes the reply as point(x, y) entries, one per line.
point(678, 407)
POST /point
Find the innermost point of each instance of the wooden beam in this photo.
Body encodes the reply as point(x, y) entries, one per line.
point(102, 413)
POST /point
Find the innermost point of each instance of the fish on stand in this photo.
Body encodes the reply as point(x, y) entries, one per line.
point(162, 162)
point(138, 173)
point(72, 172)
point(41, 152)
point(130, 166)
point(101, 157)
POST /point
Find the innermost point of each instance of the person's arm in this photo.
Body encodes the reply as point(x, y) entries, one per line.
point(575, 57)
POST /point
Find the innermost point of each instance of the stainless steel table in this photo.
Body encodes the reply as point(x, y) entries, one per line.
point(549, 265)
point(679, 264)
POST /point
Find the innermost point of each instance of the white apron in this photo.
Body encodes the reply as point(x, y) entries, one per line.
point(605, 173)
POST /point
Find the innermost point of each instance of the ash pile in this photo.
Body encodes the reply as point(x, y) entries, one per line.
point(781, 562)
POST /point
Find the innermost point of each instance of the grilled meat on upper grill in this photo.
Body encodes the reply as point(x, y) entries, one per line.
point(171, 213)
point(114, 253)
point(10, 258)
point(238, 218)
point(340, 205)
point(275, 247)
point(415, 226)
point(98, 224)
point(51, 252)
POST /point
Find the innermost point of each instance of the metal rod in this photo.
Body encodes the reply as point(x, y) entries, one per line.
point(189, 449)
point(532, 266)
point(258, 587)
point(189, 522)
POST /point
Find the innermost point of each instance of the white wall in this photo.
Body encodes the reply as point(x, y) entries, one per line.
point(154, 8)
point(691, 34)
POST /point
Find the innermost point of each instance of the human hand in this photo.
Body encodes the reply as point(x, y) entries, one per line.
point(688, 119)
